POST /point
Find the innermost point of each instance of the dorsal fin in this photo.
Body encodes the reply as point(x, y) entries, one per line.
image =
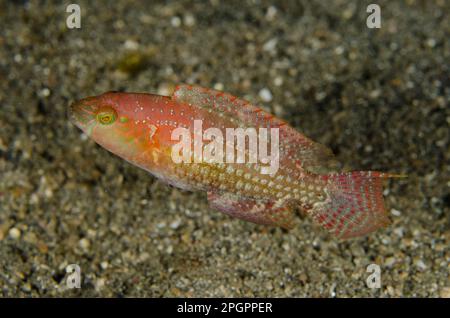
point(227, 104)
point(295, 148)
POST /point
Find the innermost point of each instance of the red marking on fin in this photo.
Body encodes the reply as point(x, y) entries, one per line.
point(354, 206)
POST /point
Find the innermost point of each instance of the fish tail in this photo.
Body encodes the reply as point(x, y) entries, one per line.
point(354, 205)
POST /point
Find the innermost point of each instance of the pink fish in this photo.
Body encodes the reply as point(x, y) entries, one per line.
point(140, 127)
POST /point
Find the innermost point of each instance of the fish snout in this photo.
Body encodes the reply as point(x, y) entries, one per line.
point(82, 112)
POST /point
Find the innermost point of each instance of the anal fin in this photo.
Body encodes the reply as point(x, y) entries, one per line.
point(255, 211)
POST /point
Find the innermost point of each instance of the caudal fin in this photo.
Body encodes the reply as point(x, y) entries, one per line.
point(355, 205)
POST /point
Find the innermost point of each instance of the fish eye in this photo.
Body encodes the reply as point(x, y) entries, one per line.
point(106, 115)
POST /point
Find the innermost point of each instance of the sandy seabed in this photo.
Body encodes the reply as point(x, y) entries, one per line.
point(377, 97)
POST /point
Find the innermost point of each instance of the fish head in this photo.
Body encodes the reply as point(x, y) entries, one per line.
point(110, 120)
point(96, 115)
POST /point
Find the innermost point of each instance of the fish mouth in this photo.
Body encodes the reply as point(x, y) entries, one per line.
point(82, 113)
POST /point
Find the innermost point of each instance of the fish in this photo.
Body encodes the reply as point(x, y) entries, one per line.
point(140, 127)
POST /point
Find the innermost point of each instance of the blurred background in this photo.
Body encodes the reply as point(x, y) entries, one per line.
point(379, 98)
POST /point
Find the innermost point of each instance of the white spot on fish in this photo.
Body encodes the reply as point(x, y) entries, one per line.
point(153, 130)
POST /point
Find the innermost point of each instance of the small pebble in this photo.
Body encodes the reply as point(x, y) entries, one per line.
point(399, 231)
point(131, 45)
point(271, 13)
point(339, 50)
point(175, 224)
point(84, 243)
point(218, 86)
point(99, 284)
point(333, 290)
point(375, 94)
point(189, 20)
point(278, 81)
point(431, 42)
point(265, 95)
point(104, 265)
point(445, 292)
point(270, 45)
point(14, 233)
point(389, 261)
point(175, 21)
point(419, 263)
point(45, 92)
point(17, 58)
point(166, 89)
point(320, 96)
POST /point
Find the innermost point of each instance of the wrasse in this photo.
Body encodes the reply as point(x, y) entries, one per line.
point(139, 128)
